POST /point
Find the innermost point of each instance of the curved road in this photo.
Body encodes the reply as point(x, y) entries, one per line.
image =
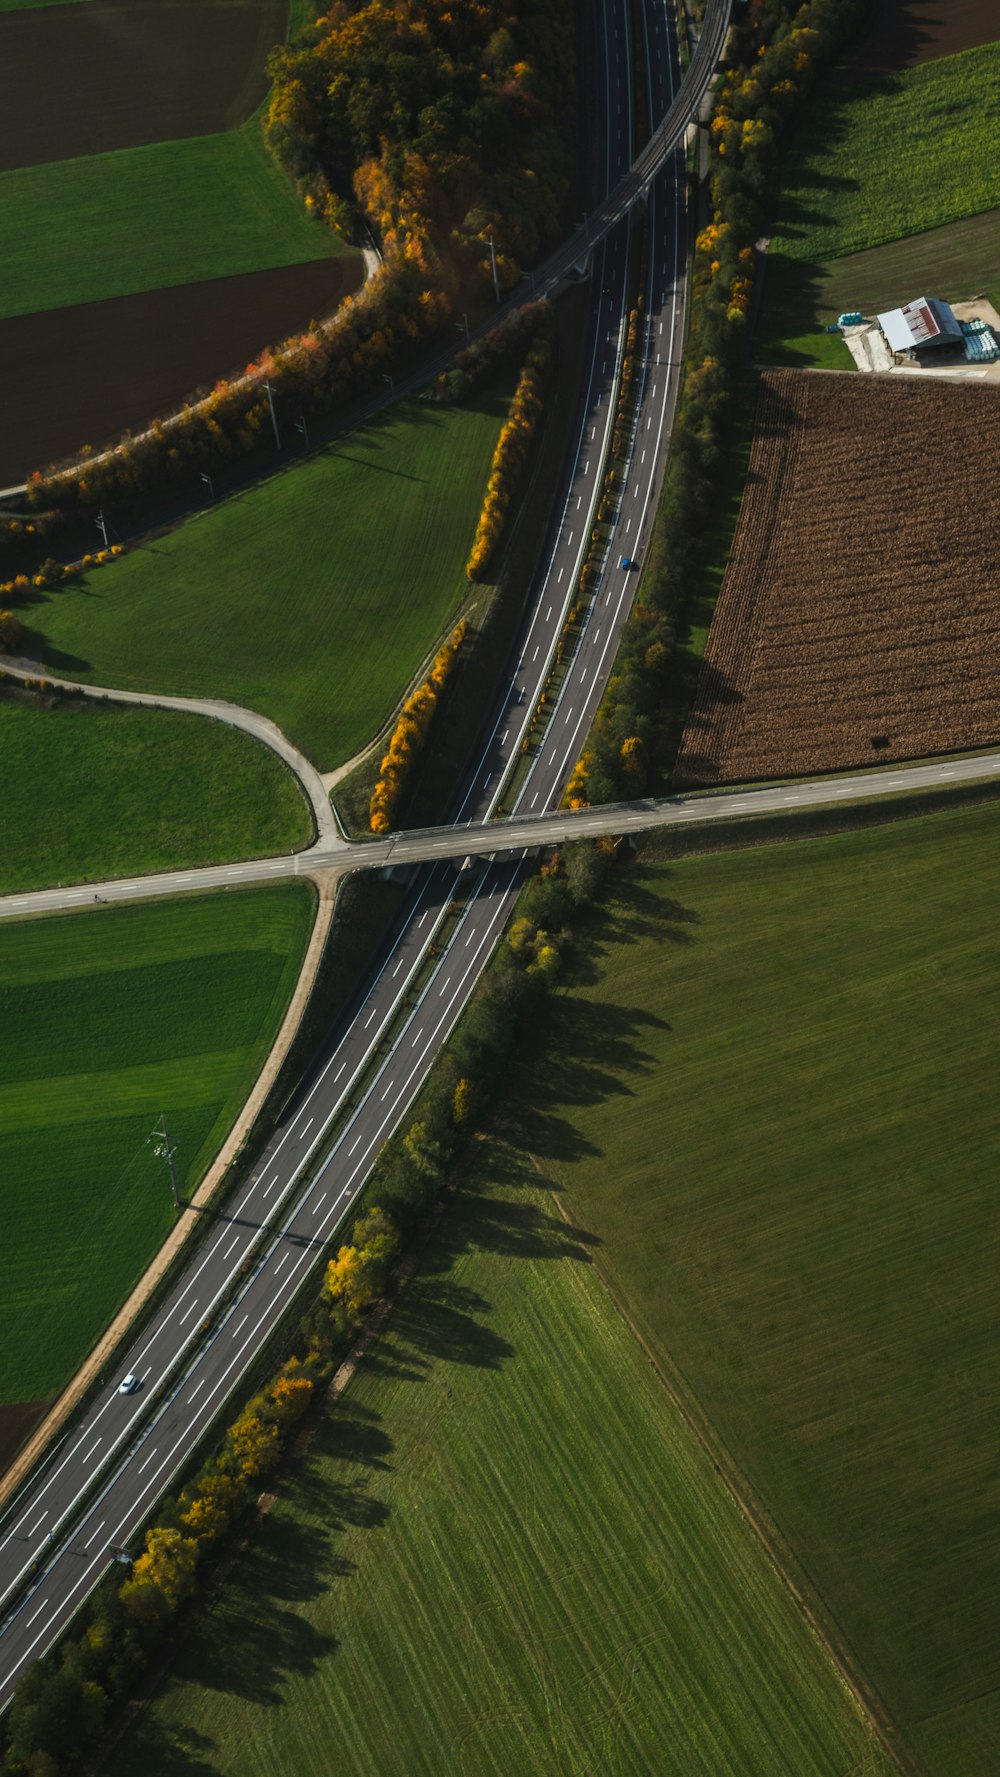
point(218, 710)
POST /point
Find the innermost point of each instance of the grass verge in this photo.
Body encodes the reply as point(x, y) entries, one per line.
point(147, 218)
point(312, 596)
point(99, 790)
point(771, 1099)
point(483, 1566)
point(109, 1020)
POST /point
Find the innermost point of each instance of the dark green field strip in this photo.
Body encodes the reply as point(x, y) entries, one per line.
point(46, 1015)
point(108, 1021)
point(777, 1110)
point(843, 190)
point(504, 1552)
point(147, 218)
point(97, 790)
point(313, 597)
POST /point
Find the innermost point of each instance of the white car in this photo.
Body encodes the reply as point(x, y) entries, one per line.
point(130, 1384)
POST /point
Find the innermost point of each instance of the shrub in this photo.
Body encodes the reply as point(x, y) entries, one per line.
point(410, 734)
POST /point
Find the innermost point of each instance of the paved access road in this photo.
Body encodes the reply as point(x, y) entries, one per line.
point(523, 831)
point(100, 1483)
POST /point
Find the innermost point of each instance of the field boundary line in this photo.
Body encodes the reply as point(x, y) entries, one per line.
point(863, 1695)
point(327, 884)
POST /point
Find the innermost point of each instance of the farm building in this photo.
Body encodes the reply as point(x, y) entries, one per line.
point(920, 324)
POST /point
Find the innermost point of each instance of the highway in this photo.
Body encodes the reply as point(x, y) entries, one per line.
point(98, 1486)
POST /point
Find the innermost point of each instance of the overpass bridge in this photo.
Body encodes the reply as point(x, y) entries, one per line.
point(501, 839)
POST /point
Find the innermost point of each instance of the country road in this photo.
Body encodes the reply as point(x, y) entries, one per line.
point(521, 833)
point(122, 1452)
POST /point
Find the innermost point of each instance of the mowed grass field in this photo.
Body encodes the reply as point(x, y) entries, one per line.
point(958, 261)
point(842, 191)
point(504, 1552)
point(98, 790)
point(312, 597)
point(109, 1020)
point(773, 1102)
point(146, 218)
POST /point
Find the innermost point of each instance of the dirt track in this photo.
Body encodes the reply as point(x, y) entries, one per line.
point(106, 74)
point(859, 618)
point(115, 364)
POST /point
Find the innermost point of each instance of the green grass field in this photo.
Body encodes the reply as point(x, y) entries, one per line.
point(842, 190)
point(98, 790)
point(107, 1021)
point(960, 260)
point(504, 1552)
point(145, 218)
point(774, 1104)
point(313, 597)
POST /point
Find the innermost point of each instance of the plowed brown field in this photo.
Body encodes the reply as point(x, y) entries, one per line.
point(109, 365)
point(109, 74)
point(905, 32)
point(859, 617)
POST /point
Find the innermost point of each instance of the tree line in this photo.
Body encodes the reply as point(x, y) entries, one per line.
point(510, 457)
point(777, 52)
point(410, 734)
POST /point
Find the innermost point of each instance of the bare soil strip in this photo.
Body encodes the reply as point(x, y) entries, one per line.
point(108, 74)
point(111, 365)
point(907, 32)
point(859, 618)
point(17, 1422)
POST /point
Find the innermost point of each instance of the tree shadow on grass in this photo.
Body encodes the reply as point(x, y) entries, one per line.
point(260, 1631)
point(153, 1745)
point(36, 648)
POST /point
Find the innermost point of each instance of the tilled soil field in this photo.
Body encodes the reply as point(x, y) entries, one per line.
point(110, 365)
point(906, 32)
point(859, 618)
point(107, 74)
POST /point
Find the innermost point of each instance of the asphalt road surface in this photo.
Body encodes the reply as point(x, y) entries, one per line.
point(524, 831)
point(98, 1486)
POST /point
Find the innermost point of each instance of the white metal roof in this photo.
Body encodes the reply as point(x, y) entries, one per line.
point(925, 321)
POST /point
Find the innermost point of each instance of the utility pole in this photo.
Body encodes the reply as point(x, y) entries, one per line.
point(386, 378)
point(166, 1151)
point(274, 417)
point(463, 324)
point(300, 426)
point(493, 262)
point(101, 524)
point(208, 479)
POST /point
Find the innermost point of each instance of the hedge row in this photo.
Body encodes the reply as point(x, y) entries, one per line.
point(510, 457)
point(410, 733)
point(52, 573)
point(478, 361)
point(777, 53)
point(398, 310)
